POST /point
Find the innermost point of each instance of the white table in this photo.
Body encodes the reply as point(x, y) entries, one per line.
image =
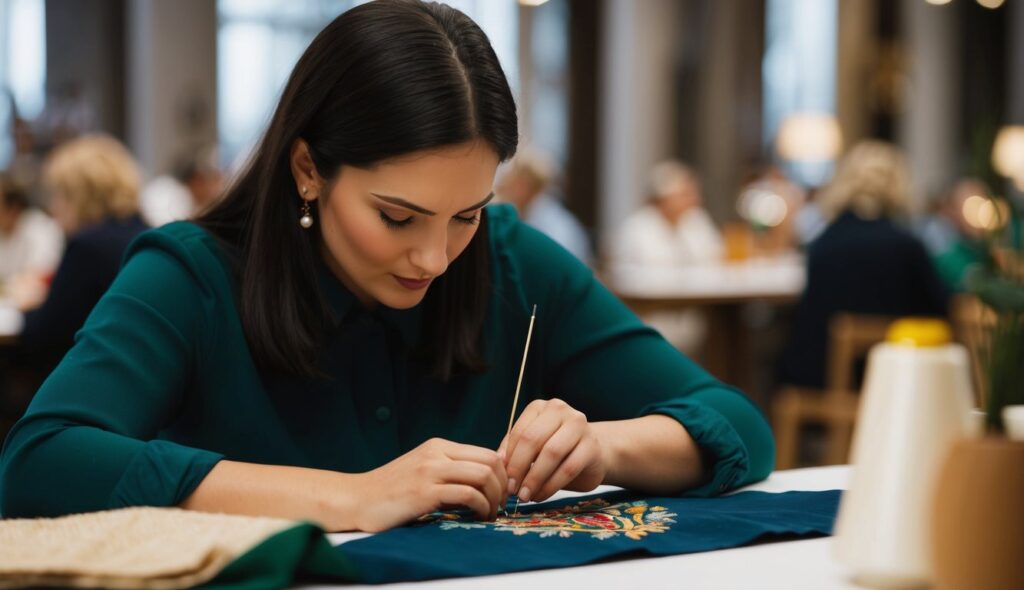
point(792, 565)
point(780, 278)
point(721, 291)
point(11, 320)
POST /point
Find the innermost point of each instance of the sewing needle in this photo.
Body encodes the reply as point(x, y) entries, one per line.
point(519, 383)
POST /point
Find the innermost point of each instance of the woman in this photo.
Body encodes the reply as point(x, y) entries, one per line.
point(339, 338)
point(93, 188)
point(864, 262)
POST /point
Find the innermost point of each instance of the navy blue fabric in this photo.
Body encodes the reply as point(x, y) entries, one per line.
point(444, 549)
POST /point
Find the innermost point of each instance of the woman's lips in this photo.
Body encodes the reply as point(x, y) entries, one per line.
point(412, 284)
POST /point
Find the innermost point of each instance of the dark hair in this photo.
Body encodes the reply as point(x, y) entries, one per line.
point(382, 80)
point(12, 193)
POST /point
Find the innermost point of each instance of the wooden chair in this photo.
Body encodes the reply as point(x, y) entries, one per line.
point(835, 407)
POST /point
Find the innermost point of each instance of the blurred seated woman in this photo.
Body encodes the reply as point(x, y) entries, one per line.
point(93, 187)
point(864, 262)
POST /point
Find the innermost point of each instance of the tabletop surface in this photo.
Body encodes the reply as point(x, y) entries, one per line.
point(792, 565)
point(778, 277)
point(10, 319)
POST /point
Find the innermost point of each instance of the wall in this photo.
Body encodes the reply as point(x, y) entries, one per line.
point(172, 79)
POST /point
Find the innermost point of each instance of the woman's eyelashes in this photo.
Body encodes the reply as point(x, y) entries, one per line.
point(393, 223)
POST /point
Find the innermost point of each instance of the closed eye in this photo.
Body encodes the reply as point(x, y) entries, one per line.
point(394, 223)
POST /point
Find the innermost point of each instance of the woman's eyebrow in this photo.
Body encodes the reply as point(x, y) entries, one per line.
point(400, 202)
point(486, 200)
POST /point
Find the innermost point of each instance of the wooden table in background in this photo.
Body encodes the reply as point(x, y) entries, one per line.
point(721, 290)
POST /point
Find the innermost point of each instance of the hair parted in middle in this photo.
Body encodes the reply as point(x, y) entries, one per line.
point(382, 80)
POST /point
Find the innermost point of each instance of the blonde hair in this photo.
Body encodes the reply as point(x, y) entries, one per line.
point(668, 176)
point(872, 181)
point(533, 165)
point(96, 176)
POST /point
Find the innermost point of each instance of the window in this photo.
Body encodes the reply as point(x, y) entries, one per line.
point(22, 67)
point(259, 42)
point(799, 71)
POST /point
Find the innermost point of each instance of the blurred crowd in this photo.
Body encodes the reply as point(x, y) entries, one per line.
point(865, 246)
point(69, 211)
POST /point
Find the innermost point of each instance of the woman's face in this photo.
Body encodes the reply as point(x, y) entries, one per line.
point(391, 230)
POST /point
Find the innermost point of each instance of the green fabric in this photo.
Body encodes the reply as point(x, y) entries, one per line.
point(274, 563)
point(160, 384)
point(956, 263)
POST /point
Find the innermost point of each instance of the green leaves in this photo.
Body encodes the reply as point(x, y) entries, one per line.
point(1001, 294)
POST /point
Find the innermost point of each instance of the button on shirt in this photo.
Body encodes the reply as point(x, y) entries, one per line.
point(160, 385)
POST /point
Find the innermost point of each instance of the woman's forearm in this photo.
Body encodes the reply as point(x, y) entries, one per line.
point(653, 454)
point(327, 498)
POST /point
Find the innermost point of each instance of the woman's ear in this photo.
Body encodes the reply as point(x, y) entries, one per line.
point(307, 180)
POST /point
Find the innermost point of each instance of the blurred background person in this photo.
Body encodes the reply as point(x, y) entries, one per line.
point(955, 241)
point(93, 188)
point(769, 203)
point(526, 183)
point(810, 222)
point(30, 241)
point(194, 185)
point(671, 231)
point(864, 262)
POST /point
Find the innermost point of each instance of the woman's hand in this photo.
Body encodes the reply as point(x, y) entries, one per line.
point(551, 447)
point(437, 474)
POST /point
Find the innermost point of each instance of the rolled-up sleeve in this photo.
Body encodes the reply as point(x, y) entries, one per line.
point(90, 438)
point(601, 359)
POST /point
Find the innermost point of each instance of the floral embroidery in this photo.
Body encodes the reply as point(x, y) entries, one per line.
point(595, 517)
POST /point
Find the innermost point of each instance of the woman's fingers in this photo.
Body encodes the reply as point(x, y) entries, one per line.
point(480, 478)
point(550, 456)
point(582, 456)
point(530, 412)
point(508, 444)
point(526, 443)
point(486, 457)
point(464, 495)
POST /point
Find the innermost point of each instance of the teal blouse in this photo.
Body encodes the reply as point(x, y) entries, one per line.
point(160, 385)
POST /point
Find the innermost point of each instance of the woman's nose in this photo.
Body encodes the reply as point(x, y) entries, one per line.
point(431, 258)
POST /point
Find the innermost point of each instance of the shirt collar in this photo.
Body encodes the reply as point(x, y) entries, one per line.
point(343, 302)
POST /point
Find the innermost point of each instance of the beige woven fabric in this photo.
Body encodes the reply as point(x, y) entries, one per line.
point(158, 548)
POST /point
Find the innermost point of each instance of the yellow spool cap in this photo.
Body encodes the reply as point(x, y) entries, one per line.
point(919, 332)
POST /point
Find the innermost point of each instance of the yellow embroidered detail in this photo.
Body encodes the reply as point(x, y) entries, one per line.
point(596, 518)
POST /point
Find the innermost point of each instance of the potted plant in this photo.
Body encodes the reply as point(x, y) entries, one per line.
point(978, 513)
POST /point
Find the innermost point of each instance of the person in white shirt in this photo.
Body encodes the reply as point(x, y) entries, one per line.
point(31, 243)
point(525, 183)
point(671, 231)
point(195, 185)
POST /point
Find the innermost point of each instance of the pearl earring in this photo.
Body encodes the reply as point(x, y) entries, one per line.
point(306, 221)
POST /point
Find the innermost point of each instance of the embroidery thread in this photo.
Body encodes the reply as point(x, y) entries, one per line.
point(595, 517)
